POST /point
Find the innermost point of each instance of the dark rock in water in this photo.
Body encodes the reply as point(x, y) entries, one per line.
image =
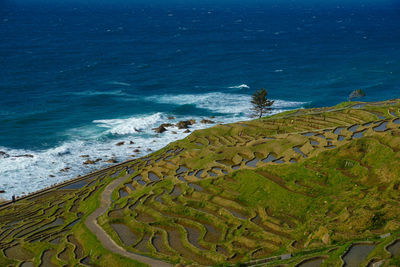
point(171, 118)
point(204, 121)
point(63, 153)
point(112, 161)
point(24, 156)
point(3, 155)
point(84, 156)
point(167, 124)
point(65, 169)
point(120, 143)
point(173, 132)
point(131, 142)
point(2, 191)
point(136, 150)
point(185, 124)
point(212, 117)
point(149, 149)
point(51, 175)
point(160, 129)
point(187, 131)
point(89, 162)
point(97, 160)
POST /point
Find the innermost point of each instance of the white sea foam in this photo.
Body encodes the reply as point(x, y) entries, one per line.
point(215, 102)
point(282, 104)
point(234, 104)
point(242, 86)
point(131, 125)
point(21, 175)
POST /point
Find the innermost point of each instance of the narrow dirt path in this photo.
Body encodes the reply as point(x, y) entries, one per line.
point(105, 240)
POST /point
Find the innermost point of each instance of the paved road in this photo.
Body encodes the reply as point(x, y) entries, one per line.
point(105, 240)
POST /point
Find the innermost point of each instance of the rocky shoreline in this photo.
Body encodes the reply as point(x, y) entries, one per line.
point(89, 161)
point(162, 128)
point(181, 125)
point(5, 202)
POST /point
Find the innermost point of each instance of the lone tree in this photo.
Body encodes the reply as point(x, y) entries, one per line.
point(356, 94)
point(260, 103)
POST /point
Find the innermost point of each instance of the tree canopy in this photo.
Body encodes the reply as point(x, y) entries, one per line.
point(260, 103)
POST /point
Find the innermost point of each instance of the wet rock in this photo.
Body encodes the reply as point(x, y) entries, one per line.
point(136, 150)
point(148, 150)
point(160, 129)
point(63, 153)
point(89, 162)
point(24, 156)
point(182, 125)
point(84, 156)
point(97, 160)
point(171, 118)
point(120, 143)
point(212, 117)
point(187, 131)
point(65, 169)
point(185, 124)
point(2, 191)
point(173, 132)
point(112, 161)
point(167, 124)
point(132, 156)
point(205, 121)
point(3, 155)
point(51, 175)
point(131, 142)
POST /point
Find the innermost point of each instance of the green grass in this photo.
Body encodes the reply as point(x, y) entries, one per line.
point(330, 199)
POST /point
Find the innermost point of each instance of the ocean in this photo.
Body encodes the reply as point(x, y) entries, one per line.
point(78, 77)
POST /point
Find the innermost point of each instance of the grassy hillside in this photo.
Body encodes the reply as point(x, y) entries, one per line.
point(300, 185)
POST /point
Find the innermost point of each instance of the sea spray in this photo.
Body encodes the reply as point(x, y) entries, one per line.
point(98, 141)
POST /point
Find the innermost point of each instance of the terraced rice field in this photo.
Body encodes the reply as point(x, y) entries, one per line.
point(296, 189)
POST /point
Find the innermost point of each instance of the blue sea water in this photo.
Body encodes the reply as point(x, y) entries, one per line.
point(77, 77)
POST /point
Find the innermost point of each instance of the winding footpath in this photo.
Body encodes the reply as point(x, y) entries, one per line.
point(105, 240)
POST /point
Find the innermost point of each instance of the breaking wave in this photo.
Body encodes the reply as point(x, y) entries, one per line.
point(242, 86)
point(97, 141)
